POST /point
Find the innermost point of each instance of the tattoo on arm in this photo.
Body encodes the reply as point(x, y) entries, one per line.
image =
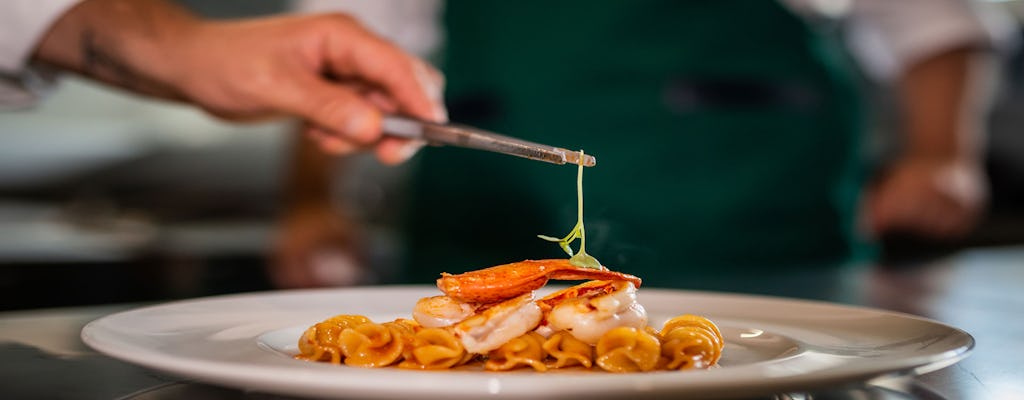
point(98, 62)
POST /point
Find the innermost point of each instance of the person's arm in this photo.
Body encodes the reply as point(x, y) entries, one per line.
point(326, 69)
point(123, 43)
point(936, 187)
point(939, 56)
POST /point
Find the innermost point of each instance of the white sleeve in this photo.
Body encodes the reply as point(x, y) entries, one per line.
point(889, 35)
point(412, 25)
point(22, 25)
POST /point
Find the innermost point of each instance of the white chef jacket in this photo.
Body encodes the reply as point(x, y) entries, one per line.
point(887, 36)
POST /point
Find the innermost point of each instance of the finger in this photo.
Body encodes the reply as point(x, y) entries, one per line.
point(948, 228)
point(334, 267)
point(948, 217)
point(371, 94)
point(330, 142)
point(432, 83)
point(930, 219)
point(955, 222)
point(406, 79)
point(381, 101)
point(892, 212)
point(941, 219)
point(335, 109)
point(394, 151)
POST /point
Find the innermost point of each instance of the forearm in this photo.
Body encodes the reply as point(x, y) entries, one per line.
point(944, 100)
point(127, 43)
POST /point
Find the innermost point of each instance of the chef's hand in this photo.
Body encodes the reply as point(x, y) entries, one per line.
point(316, 247)
point(938, 198)
point(325, 69)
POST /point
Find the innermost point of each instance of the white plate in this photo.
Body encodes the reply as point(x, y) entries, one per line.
point(772, 345)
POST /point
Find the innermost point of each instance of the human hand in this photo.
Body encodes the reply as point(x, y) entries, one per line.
point(315, 247)
point(325, 69)
point(939, 198)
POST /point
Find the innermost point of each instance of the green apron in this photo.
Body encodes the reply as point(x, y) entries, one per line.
point(726, 135)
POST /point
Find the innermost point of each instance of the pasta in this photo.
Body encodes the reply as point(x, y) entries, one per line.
point(434, 348)
point(684, 342)
point(627, 349)
point(525, 350)
point(690, 341)
point(567, 351)
point(321, 341)
point(374, 345)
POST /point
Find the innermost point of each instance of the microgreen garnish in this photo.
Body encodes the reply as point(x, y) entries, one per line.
point(580, 259)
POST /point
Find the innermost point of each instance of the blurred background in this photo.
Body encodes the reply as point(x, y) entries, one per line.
point(106, 197)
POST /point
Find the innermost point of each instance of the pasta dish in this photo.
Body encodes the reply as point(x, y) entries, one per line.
point(492, 317)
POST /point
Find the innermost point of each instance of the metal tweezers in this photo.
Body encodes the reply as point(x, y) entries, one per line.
point(469, 137)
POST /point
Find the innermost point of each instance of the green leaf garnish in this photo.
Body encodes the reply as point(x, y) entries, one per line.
point(580, 259)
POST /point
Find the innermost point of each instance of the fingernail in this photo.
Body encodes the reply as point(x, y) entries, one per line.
point(441, 113)
point(409, 149)
point(433, 87)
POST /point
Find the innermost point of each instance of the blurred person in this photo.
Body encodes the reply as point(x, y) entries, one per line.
point(326, 70)
point(728, 134)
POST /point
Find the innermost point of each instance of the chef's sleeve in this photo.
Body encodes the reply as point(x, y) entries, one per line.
point(891, 35)
point(22, 25)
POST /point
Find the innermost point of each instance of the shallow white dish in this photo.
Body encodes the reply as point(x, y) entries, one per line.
point(772, 345)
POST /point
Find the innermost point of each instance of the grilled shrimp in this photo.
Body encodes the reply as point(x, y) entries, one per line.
point(590, 309)
point(442, 311)
point(498, 323)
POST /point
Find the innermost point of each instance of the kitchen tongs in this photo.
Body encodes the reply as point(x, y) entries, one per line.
point(469, 137)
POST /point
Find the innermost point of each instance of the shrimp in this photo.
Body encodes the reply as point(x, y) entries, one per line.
point(591, 309)
point(442, 311)
point(506, 281)
point(498, 323)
